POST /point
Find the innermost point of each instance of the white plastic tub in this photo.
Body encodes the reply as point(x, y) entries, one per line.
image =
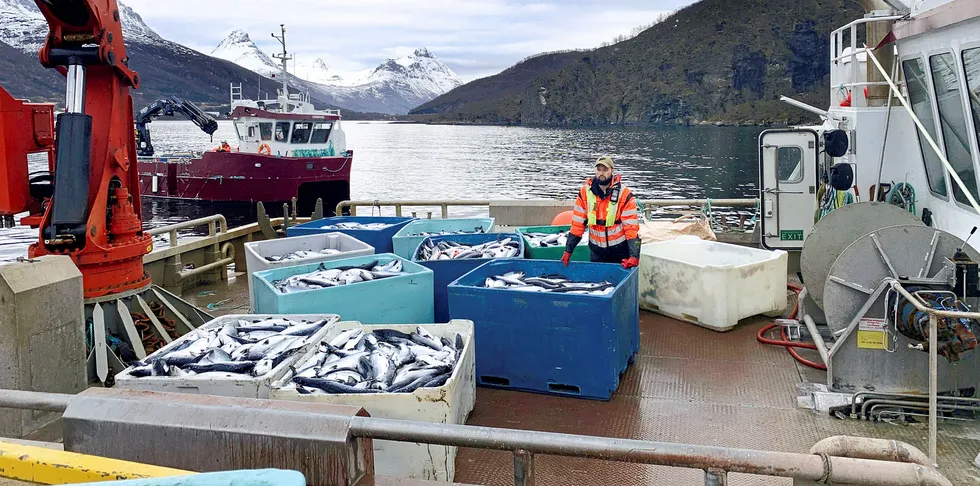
point(448, 404)
point(257, 251)
point(711, 284)
point(244, 387)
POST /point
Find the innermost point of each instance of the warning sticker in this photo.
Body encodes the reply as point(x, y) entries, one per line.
point(872, 333)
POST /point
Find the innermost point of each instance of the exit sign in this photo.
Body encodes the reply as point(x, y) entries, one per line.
point(791, 235)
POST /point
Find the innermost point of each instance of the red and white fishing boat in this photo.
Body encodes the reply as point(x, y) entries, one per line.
point(286, 149)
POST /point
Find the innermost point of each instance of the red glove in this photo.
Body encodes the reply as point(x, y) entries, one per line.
point(631, 262)
point(566, 257)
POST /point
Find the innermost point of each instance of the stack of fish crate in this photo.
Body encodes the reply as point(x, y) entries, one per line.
point(408, 238)
point(403, 298)
point(550, 342)
point(171, 368)
point(446, 271)
point(448, 403)
point(299, 250)
point(376, 231)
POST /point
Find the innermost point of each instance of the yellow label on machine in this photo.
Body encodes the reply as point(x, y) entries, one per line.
point(872, 334)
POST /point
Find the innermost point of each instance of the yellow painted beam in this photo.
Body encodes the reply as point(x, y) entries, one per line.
point(47, 466)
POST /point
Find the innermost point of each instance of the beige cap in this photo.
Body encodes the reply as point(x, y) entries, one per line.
point(605, 160)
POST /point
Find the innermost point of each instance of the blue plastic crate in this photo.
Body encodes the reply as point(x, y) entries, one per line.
point(404, 243)
point(379, 239)
point(447, 271)
point(246, 477)
point(405, 299)
point(552, 343)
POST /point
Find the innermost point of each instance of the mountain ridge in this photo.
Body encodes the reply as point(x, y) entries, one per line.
point(395, 86)
point(710, 62)
point(165, 67)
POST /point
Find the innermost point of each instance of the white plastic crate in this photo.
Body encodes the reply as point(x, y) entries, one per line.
point(246, 386)
point(257, 251)
point(448, 404)
point(711, 284)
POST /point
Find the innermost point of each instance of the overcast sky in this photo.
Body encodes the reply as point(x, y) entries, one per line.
point(476, 38)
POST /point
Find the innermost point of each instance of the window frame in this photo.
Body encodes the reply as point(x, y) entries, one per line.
point(931, 94)
point(286, 134)
point(797, 170)
point(306, 139)
point(968, 105)
point(960, 82)
point(272, 130)
point(313, 131)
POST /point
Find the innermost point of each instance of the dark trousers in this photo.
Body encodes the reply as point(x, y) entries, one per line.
point(613, 254)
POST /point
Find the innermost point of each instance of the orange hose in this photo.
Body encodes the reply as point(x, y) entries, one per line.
point(790, 345)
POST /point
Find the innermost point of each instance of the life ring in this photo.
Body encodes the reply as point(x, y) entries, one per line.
point(265, 149)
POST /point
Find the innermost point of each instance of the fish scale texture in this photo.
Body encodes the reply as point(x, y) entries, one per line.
point(690, 385)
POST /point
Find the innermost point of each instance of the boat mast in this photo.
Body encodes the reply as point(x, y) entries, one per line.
point(284, 57)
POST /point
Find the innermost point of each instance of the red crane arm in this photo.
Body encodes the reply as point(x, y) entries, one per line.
point(94, 212)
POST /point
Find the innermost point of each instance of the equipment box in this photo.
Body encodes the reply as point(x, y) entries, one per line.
point(581, 253)
point(246, 386)
point(257, 251)
point(446, 271)
point(406, 298)
point(448, 404)
point(380, 239)
point(711, 284)
point(548, 342)
point(407, 240)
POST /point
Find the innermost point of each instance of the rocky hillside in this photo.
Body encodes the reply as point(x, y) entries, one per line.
point(713, 61)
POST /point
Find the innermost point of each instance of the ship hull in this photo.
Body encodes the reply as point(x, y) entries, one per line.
point(248, 178)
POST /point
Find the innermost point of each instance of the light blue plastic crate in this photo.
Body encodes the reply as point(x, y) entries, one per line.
point(548, 342)
point(379, 239)
point(446, 271)
point(405, 299)
point(249, 477)
point(404, 243)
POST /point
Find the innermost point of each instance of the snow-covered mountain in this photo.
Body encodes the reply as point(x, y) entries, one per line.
point(395, 86)
point(239, 49)
point(166, 68)
point(22, 26)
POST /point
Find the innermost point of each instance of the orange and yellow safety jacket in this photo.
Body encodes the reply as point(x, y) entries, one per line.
point(612, 218)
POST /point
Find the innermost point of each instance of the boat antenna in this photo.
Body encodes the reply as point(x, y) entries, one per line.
point(284, 57)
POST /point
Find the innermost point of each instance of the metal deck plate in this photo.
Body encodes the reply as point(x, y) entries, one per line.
point(839, 229)
point(690, 385)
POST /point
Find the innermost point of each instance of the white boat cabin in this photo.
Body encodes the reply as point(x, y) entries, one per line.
point(286, 127)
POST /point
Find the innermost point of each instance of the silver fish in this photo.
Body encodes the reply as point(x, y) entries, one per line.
point(385, 361)
point(233, 349)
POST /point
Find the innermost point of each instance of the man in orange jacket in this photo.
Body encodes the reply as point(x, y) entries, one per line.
point(608, 209)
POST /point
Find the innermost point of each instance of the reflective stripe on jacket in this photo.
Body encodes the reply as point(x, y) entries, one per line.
point(609, 223)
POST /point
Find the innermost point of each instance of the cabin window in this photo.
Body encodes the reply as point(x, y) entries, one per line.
point(282, 131)
point(321, 132)
point(251, 132)
point(789, 163)
point(265, 130)
point(971, 66)
point(956, 136)
point(918, 87)
point(301, 132)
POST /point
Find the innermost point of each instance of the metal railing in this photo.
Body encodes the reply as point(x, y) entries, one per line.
point(838, 71)
point(399, 204)
point(223, 254)
point(934, 315)
point(212, 222)
point(716, 462)
point(649, 205)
